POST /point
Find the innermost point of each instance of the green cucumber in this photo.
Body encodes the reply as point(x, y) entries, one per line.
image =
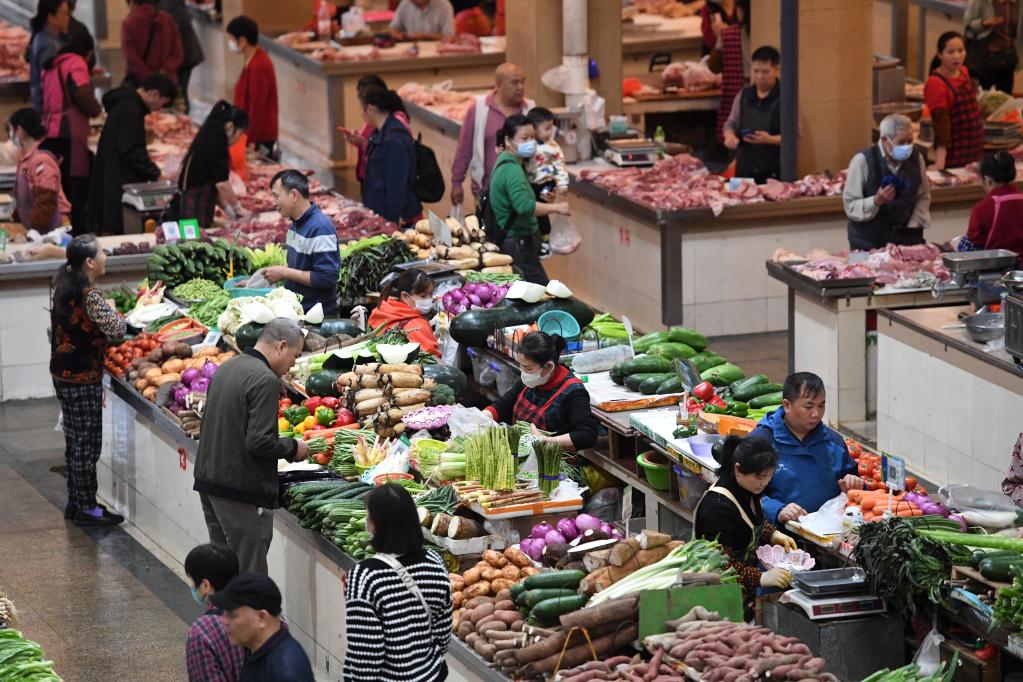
point(633, 381)
point(722, 375)
point(649, 386)
point(750, 392)
point(748, 382)
point(999, 568)
point(691, 338)
point(549, 610)
point(617, 376)
point(704, 361)
point(534, 597)
point(672, 385)
point(644, 364)
point(554, 579)
point(672, 350)
point(517, 589)
point(643, 343)
point(766, 400)
point(980, 554)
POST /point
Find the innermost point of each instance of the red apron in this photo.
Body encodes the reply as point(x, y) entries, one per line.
point(1007, 233)
point(967, 126)
point(527, 411)
point(733, 78)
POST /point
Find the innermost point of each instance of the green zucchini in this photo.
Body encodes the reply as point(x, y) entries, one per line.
point(554, 579)
point(644, 364)
point(472, 328)
point(704, 361)
point(633, 381)
point(672, 350)
point(534, 597)
point(643, 343)
point(999, 568)
point(691, 338)
point(980, 554)
point(722, 375)
point(617, 376)
point(750, 392)
point(766, 400)
point(517, 589)
point(672, 385)
point(649, 386)
point(549, 610)
point(748, 382)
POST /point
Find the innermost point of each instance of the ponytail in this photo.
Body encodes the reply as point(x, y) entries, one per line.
point(943, 40)
point(541, 347)
point(753, 455)
point(70, 282)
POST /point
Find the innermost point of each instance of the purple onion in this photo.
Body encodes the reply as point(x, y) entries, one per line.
point(606, 527)
point(474, 299)
point(189, 375)
point(201, 385)
point(585, 522)
point(181, 392)
point(209, 368)
point(540, 530)
point(554, 537)
point(566, 527)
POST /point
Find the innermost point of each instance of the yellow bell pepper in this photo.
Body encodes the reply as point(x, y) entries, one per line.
point(309, 422)
point(283, 425)
point(299, 428)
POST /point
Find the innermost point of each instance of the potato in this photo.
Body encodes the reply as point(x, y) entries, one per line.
point(174, 365)
point(501, 584)
point(504, 604)
point(457, 582)
point(153, 373)
point(490, 573)
point(504, 595)
point(529, 570)
point(471, 577)
point(457, 599)
point(493, 558)
point(517, 557)
point(479, 589)
point(476, 601)
point(510, 572)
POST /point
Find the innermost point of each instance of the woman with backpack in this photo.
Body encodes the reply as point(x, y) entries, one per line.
point(389, 185)
point(513, 202)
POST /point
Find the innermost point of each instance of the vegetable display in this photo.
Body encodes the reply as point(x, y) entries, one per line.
point(269, 255)
point(209, 310)
point(472, 328)
point(469, 249)
point(1008, 609)
point(489, 459)
point(473, 295)
point(380, 394)
point(365, 262)
point(21, 660)
point(178, 263)
point(548, 464)
point(196, 289)
point(911, 673)
point(280, 302)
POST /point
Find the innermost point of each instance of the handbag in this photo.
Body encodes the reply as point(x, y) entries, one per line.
point(403, 573)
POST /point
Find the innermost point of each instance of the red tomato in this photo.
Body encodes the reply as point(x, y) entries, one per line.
point(704, 391)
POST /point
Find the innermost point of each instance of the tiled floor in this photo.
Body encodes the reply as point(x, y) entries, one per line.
point(105, 604)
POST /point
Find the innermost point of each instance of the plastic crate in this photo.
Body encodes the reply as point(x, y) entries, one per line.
point(690, 488)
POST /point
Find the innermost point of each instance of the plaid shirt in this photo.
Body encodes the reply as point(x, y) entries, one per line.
point(210, 655)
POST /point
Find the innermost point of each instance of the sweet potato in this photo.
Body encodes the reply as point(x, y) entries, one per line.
point(614, 611)
point(580, 652)
point(504, 605)
point(517, 557)
point(464, 628)
point(504, 595)
point(481, 612)
point(476, 601)
point(508, 617)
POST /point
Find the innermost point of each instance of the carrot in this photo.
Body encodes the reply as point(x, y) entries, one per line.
point(867, 505)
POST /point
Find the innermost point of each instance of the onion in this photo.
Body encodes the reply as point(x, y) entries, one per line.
point(553, 537)
point(189, 375)
point(607, 528)
point(201, 385)
point(540, 530)
point(536, 549)
point(567, 528)
point(209, 368)
point(585, 522)
point(617, 534)
point(180, 393)
point(526, 544)
point(458, 294)
point(474, 299)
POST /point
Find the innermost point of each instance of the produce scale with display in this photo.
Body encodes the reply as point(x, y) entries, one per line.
point(833, 593)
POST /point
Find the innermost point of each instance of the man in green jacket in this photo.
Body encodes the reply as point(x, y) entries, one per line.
point(513, 201)
point(236, 466)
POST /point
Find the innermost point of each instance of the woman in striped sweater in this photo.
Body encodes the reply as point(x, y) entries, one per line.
point(398, 604)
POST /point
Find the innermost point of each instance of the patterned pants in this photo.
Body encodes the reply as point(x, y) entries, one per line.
point(82, 405)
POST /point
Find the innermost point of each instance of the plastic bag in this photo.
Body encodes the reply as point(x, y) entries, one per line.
point(468, 421)
point(962, 497)
point(565, 238)
point(828, 519)
point(605, 505)
point(928, 656)
point(567, 490)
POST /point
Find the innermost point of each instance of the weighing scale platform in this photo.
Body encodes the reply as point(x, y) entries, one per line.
point(838, 606)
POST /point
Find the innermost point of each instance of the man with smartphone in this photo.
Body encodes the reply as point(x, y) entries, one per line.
point(753, 127)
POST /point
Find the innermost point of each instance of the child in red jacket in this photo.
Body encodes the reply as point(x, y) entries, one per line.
point(403, 304)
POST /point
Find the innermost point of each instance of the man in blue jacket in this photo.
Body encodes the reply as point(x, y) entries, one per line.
point(313, 256)
point(813, 461)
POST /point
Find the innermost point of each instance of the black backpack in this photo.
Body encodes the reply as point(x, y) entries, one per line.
point(485, 213)
point(429, 183)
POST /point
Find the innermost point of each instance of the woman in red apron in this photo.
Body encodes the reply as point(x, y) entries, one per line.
point(951, 98)
point(730, 512)
point(41, 204)
point(996, 221)
point(729, 59)
point(548, 395)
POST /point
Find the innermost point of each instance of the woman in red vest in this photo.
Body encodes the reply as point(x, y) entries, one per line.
point(951, 97)
point(996, 221)
point(548, 395)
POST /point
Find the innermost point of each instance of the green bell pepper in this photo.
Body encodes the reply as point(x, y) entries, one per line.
point(324, 416)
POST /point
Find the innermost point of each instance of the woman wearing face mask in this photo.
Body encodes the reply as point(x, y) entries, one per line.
point(730, 512)
point(204, 179)
point(82, 323)
point(548, 396)
point(951, 97)
point(42, 205)
point(996, 221)
point(405, 304)
point(513, 202)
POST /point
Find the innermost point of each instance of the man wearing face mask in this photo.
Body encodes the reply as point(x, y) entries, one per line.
point(313, 258)
point(256, 88)
point(887, 196)
point(548, 396)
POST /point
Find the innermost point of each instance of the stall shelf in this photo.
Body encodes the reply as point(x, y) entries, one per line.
point(145, 473)
point(828, 330)
point(316, 97)
point(945, 404)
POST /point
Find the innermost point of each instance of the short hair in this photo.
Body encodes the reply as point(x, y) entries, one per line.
point(282, 329)
point(893, 124)
point(162, 84)
point(396, 526)
point(28, 119)
point(766, 53)
point(370, 80)
point(214, 563)
point(511, 127)
point(292, 179)
point(244, 27)
point(802, 383)
point(1000, 167)
point(538, 115)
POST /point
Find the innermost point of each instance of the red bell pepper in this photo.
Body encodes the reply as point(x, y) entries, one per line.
point(717, 402)
point(312, 403)
point(330, 402)
point(343, 417)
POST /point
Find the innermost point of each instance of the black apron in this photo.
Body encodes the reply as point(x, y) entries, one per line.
point(759, 161)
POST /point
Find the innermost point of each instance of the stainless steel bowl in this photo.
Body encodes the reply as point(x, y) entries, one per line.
point(984, 327)
point(1012, 280)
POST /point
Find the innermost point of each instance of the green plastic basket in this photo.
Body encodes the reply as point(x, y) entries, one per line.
point(560, 323)
point(231, 287)
point(657, 475)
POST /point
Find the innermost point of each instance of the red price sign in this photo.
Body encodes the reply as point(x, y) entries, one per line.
point(624, 236)
point(182, 459)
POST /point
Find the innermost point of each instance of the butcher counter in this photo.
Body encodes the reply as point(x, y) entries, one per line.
point(712, 274)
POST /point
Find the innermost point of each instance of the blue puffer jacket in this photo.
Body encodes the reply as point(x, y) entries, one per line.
point(808, 471)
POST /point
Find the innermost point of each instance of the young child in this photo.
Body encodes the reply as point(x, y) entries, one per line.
point(546, 169)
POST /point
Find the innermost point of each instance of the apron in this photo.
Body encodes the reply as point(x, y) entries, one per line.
point(525, 411)
point(1004, 229)
point(23, 194)
point(967, 142)
point(733, 80)
point(749, 556)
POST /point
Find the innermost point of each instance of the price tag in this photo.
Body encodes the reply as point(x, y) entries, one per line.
point(181, 230)
point(212, 338)
point(690, 463)
point(894, 471)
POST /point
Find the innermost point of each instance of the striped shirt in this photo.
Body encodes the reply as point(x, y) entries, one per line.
point(388, 631)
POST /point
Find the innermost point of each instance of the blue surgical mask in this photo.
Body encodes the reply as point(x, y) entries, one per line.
point(199, 599)
point(901, 152)
point(526, 149)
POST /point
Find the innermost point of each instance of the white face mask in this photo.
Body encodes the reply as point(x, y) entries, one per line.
point(534, 379)
point(423, 305)
point(233, 47)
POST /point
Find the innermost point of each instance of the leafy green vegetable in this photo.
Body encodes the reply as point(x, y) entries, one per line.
point(365, 262)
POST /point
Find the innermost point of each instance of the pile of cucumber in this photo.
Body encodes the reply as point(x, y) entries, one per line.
point(655, 373)
point(544, 597)
point(758, 392)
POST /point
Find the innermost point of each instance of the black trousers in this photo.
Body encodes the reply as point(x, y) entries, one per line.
point(525, 253)
point(76, 189)
point(184, 75)
point(1000, 80)
point(542, 220)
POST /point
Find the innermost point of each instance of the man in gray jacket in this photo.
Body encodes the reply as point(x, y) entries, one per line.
point(236, 467)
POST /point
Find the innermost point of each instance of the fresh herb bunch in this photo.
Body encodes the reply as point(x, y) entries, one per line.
point(366, 262)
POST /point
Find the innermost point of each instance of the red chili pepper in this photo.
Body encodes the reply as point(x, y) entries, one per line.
point(704, 391)
point(717, 402)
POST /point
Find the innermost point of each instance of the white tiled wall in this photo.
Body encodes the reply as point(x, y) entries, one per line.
point(948, 424)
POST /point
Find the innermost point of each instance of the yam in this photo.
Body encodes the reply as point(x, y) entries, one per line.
point(462, 528)
point(440, 528)
point(517, 557)
point(480, 589)
point(613, 611)
point(498, 270)
point(580, 652)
